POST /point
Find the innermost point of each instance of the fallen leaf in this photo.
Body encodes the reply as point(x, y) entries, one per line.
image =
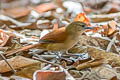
point(55, 27)
point(17, 63)
point(83, 18)
point(114, 78)
point(17, 12)
point(104, 26)
point(105, 71)
point(89, 64)
point(112, 24)
point(3, 38)
point(45, 7)
point(110, 31)
point(49, 75)
point(112, 27)
point(113, 10)
point(28, 71)
point(6, 1)
point(113, 7)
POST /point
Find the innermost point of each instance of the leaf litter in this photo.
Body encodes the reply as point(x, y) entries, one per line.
point(96, 53)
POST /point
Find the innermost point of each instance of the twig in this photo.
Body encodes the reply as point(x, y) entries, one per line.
point(105, 38)
point(6, 18)
point(3, 48)
point(41, 59)
point(117, 49)
point(68, 75)
point(112, 15)
point(90, 64)
point(110, 44)
point(48, 56)
point(14, 71)
point(46, 67)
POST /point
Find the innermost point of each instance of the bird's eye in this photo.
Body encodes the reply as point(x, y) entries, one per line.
point(83, 25)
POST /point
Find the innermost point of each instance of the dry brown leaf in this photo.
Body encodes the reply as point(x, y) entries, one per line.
point(113, 7)
point(96, 53)
point(105, 71)
point(118, 38)
point(91, 41)
point(55, 26)
point(113, 26)
point(28, 71)
point(83, 18)
point(6, 0)
point(49, 75)
point(113, 10)
point(107, 56)
point(45, 7)
point(3, 38)
point(104, 17)
point(1, 24)
point(114, 78)
point(17, 63)
point(90, 64)
point(17, 12)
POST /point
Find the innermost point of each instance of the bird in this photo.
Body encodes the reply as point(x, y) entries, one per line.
point(61, 39)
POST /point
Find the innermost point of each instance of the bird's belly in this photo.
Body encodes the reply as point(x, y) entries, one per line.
point(56, 47)
point(61, 46)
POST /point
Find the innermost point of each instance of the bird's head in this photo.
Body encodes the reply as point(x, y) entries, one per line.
point(77, 27)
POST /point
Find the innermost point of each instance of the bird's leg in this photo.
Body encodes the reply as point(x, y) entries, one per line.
point(59, 54)
point(66, 52)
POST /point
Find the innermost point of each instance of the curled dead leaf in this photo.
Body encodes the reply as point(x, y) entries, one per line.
point(3, 38)
point(49, 75)
point(17, 12)
point(45, 7)
point(83, 18)
point(17, 63)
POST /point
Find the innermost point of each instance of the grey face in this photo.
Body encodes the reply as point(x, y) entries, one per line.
point(76, 27)
point(79, 25)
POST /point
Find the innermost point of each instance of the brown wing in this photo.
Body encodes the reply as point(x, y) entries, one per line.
point(56, 36)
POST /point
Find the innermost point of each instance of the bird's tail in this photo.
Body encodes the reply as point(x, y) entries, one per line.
point(11, 52)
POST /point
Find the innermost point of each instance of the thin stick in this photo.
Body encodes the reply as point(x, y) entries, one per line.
point(112, 15)
point(41, 59)
point(110, 44)
point(14, 71)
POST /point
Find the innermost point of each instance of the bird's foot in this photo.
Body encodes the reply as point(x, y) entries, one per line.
point(59, 55)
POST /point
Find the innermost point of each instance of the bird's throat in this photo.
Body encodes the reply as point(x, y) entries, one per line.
point(71, 41)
